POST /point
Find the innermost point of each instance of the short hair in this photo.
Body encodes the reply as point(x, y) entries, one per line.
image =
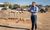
point(33, 2)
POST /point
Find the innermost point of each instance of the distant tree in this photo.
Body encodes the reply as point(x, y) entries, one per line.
point(15, 6)
point(6, 4)
point(1, 5)
point(10, 6)
point(25, 6)
point(30, 5)
point(47, 5)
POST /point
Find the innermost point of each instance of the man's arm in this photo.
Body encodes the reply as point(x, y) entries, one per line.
point(37, 9)
point(33, 11)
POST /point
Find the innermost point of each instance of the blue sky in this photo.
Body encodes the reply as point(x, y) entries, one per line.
point(44, 2)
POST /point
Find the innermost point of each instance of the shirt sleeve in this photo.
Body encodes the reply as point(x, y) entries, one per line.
point(37, 9)
point(34, 11)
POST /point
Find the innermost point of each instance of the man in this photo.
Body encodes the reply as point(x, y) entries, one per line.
point(34, 10)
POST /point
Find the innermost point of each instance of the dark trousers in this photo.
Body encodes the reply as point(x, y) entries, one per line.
point(34, 19)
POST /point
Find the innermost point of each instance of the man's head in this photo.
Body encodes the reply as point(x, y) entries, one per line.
point(33, 3)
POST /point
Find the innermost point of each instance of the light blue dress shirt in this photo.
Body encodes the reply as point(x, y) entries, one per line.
point(34, 10)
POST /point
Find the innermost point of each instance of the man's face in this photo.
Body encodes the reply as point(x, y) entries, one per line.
point(33, 4)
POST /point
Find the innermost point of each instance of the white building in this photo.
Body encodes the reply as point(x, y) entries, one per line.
point(1, 3)
point(1, 6)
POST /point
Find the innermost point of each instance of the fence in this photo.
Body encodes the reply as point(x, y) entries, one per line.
point(14, 14)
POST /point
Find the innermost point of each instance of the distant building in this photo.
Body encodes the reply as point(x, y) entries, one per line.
point(1, 5)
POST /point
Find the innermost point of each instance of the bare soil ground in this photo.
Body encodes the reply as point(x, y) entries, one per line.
point(43, 22)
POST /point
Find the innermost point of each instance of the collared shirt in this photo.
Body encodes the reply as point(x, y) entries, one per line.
point(34, 10)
